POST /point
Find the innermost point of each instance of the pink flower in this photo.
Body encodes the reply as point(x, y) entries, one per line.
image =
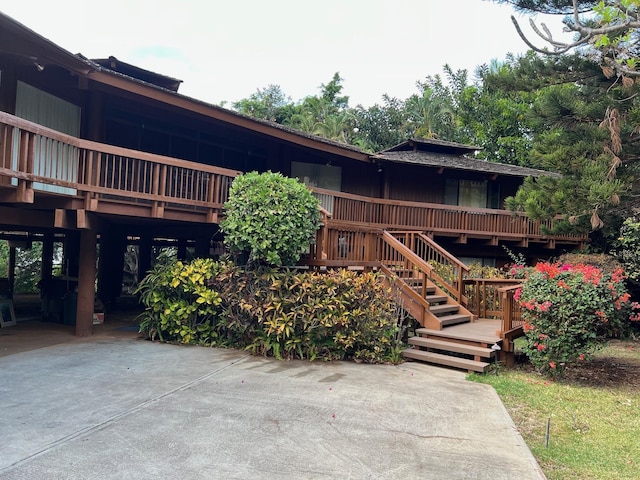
point(544, 307)
point(516, 295)
point(552, 365)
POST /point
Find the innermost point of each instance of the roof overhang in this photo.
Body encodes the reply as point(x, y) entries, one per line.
point(460, 163)
point(19, 41)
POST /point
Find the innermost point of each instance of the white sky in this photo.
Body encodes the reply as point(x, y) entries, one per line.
point(224, 50)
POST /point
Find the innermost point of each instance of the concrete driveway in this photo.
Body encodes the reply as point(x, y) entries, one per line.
point(125, 408)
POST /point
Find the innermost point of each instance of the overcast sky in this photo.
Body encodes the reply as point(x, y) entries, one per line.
point(225, 50)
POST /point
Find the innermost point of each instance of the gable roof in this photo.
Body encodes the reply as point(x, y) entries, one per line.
point(451, 155)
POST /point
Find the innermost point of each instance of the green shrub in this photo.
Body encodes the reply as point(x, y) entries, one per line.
point(289, 314)
point(270, 217)
point(569, 312)
point(282, 313)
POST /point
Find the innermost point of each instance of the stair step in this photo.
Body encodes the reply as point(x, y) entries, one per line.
point(451, 346)
point(433, 299)
point(440, 359)
point(447, 320)
point(446, 308)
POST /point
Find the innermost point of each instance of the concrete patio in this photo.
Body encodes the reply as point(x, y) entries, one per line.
point(116, 406)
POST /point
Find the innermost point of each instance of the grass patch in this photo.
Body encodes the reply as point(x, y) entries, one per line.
point(594, 412)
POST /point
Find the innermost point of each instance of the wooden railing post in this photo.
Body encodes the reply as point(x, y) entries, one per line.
point(506, 311)
point(26, 157)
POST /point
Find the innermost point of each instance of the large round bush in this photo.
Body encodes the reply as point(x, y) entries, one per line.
point(570, 311)
point(271, 217)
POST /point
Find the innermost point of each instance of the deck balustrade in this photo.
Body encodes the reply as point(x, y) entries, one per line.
point(105, 172)
point(436, 218)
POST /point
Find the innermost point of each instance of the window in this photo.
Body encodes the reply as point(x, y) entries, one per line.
point(471, 193)
point(314, 175)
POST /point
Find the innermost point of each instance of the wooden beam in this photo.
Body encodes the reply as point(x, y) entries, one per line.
point(64, 219)
point(493, 241)
point(212, 216)
point(462, 239)
point(88, 220)
point(157, 210)
point(20, 217)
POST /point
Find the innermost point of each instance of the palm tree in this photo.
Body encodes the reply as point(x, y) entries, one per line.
point(430, 115)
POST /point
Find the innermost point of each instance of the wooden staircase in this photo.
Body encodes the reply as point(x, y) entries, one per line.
point(437, 305)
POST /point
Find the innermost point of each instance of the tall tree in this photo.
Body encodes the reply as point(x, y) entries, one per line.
point(381, 126)
point(606, 30)
point(269, 103)
point(577, 121)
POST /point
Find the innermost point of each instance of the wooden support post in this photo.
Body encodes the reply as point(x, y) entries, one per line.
point(144, 256)
point(26, 158)
point(11, 270)
point(86, 283)
point(113, 243)
point(70, 263)
point(182, 249)
point(47, 256)
point(202, 247)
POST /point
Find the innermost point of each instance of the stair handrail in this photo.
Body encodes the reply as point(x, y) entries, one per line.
point(406, 252)
point(455, 289)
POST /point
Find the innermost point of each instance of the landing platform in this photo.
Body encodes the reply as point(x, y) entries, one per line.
point(483, 330)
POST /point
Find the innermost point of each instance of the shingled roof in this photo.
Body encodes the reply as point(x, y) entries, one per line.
point(451, 155)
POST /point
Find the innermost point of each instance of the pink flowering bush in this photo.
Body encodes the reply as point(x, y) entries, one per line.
point(570, 311)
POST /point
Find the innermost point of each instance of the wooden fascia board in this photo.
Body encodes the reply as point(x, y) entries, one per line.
point(187, 104)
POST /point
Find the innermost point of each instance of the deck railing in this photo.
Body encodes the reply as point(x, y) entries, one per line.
point(105, 171)
point(436, 218)
point(512, 321)
point(486, 295)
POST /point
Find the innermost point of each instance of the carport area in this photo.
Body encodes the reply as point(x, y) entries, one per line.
point(116, 406)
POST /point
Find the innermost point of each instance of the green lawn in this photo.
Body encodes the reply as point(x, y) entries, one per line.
point(594, 414)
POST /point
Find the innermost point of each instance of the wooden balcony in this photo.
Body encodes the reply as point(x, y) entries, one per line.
point(79, 174)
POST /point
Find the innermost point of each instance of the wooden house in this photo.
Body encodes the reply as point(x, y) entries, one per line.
point(101, 152)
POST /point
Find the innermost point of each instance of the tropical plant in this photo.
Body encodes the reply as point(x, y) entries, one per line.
point(179, 305)
point(277, 312)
